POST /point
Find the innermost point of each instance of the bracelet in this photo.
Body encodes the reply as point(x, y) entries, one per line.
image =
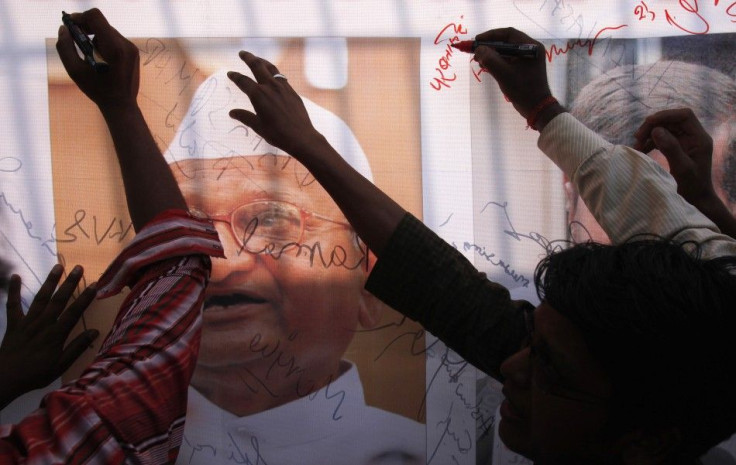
point(531, 120)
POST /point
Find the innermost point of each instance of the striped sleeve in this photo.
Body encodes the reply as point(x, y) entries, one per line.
point(129, 405)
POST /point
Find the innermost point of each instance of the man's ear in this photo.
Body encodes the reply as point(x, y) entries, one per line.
point(371, 308)
point(649, 447)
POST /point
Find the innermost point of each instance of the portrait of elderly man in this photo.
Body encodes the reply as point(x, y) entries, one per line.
point(298, 363)
point(281, 309)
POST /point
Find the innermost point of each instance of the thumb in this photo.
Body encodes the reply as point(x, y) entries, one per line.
point(672, 150)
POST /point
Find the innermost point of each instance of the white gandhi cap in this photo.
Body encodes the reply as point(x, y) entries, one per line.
point(207, 131)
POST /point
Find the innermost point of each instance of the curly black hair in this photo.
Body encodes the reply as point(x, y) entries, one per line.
point(661, 321)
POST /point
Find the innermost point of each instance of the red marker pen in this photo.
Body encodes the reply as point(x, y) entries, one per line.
point(503, 48)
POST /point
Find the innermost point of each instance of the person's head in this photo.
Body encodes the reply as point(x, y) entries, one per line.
point(631, 359)
point(615, 104)
point(283, 306)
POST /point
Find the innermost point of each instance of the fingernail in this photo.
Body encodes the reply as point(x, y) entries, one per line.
point(231, 74)
point(57, 269)
point(76, 271)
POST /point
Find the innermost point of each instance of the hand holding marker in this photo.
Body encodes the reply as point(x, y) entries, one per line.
point(85, 45)
point(503, 48)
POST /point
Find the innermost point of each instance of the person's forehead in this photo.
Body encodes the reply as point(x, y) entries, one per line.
point(558, 331)
point(225, 183)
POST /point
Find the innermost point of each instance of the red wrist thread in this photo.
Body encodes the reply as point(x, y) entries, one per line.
point(531, 120)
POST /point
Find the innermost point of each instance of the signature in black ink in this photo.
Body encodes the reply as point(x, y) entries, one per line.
point(462, 440)
point(337, 257)
point(286, 366)
point(236, 453)
point(28, 225)
point(116, 228)
point(543, 242)
point(453, 366)
point(490, 258)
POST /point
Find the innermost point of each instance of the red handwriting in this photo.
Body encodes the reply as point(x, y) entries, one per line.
point(555, 51)
point(449, 34)
point(477, 69)
point(692, 8)
point(686, 10)
point(642, 10)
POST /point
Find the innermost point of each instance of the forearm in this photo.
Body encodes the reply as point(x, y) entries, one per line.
point(372, 213)
point(426, 279)
point(717, 212)
point(150, 187)
point(627, 192)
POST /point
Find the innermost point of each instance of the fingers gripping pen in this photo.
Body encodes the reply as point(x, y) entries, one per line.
point(85, 45)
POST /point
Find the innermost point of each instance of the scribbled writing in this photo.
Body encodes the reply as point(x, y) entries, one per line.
point(285, 365)
point(47, 243)
point(562, 12)
point(491, 258)
point(447, 36)
point(686, 12)
point(337, 257)
point(235, 452)
point(509, 229)
point(555, 51)
point(450, 368)
point(90, 227)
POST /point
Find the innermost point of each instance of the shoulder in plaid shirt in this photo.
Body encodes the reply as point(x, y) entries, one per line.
point(129, 405)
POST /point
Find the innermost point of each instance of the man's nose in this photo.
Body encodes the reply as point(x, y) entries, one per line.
point(237, 258)
point(517, 369)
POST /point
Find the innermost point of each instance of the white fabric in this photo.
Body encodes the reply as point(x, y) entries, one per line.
point(331, 426)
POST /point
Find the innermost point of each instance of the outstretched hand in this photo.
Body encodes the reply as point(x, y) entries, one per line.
point(280, 116)
point(32, 353)
point(119, 85)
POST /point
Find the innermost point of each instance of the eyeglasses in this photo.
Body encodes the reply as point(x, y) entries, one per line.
point(267, 226)
point(545, 375)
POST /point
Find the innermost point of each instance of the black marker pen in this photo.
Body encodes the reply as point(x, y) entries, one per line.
point(84, 44)
point(503, 48)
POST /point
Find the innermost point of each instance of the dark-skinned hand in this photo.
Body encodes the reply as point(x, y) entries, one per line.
point(33, 352)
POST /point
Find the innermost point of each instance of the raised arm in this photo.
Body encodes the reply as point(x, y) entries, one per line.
point(626, 191)
point(417, 273)
point(283, 121)
point(129, 405)
point(149, 186)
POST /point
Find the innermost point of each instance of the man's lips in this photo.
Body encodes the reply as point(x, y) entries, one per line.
point(509, 409)
point(223, 301)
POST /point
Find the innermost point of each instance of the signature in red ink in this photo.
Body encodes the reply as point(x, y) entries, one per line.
point(590, 43)
point(643, 11)
point(450, 34)
point(477, 69)
point(688, 10)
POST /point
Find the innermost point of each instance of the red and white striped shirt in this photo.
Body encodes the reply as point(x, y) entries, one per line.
point(129, 405)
